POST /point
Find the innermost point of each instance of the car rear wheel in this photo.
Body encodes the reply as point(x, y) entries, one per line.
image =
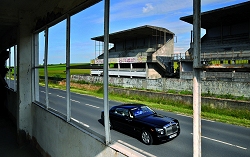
point(102, 119)
point(146, 137)
point(110, 125)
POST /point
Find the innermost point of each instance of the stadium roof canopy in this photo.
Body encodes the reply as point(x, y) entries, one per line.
point(138, 32)
point(228, 15)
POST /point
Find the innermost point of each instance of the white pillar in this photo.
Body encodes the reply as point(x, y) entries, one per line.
point(68, 69)
point(197, 80)
point(35, 74)
point(105, 72)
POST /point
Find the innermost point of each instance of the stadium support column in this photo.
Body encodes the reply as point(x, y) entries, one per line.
point(119, 69)
point(165, 40)
point(196, 80)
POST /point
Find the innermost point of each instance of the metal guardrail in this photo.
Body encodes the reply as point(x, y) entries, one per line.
point(181, 56)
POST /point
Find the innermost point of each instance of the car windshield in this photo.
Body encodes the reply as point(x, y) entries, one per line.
point(142, 111)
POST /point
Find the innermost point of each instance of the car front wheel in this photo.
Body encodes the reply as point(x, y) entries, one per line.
point(146, 137)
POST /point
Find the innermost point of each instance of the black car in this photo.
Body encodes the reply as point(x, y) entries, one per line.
point(139, 119)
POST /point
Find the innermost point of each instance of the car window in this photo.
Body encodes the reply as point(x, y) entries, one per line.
point(142, 111)
point(121, 111)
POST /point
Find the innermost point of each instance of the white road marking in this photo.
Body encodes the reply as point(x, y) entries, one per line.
point(136, 149)
point(233, 145)
point(209, 120)
point(45, 92)
point(75, 101)
point(60, 96)
point(92, 106)
point(80, 122)
point(78, 101)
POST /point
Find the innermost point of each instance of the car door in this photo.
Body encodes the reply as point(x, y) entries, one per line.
point(121, 119)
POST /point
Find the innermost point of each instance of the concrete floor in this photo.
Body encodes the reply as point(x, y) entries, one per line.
point(8, 139)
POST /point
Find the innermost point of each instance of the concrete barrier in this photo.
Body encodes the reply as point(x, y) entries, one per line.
point(165, 84)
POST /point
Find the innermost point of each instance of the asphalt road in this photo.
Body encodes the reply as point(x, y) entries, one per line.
point(218, 139)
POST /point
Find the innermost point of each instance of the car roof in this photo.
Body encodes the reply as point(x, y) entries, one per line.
point(130, 106)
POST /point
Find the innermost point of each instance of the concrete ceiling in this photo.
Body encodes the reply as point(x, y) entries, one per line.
point(42, 12)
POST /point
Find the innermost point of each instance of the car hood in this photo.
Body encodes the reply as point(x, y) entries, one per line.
point(156, 120)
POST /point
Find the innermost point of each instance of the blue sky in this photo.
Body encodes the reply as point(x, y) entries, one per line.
point(123, 15)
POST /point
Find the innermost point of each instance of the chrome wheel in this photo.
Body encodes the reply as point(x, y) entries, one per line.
point(146, 137)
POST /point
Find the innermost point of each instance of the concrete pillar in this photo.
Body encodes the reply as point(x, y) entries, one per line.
point(24, 73)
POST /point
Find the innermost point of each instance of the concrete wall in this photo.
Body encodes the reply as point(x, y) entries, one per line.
point(165, 84)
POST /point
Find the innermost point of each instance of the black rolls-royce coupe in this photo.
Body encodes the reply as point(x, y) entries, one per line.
point(141, 120)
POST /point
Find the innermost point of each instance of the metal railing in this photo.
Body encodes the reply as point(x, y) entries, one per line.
point(227, 55)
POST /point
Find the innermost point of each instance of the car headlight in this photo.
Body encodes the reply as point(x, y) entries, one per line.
point(159, 130)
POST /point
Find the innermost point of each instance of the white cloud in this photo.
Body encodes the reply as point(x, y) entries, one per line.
point(148, 7)
point(145, 8)
point(165, 7)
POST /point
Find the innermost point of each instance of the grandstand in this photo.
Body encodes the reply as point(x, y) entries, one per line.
point(226, 45)
point(142, 52)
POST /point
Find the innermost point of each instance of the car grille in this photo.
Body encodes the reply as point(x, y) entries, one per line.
point(171, 128)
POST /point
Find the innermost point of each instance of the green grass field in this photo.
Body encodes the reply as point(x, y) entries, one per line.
point(59, 70)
